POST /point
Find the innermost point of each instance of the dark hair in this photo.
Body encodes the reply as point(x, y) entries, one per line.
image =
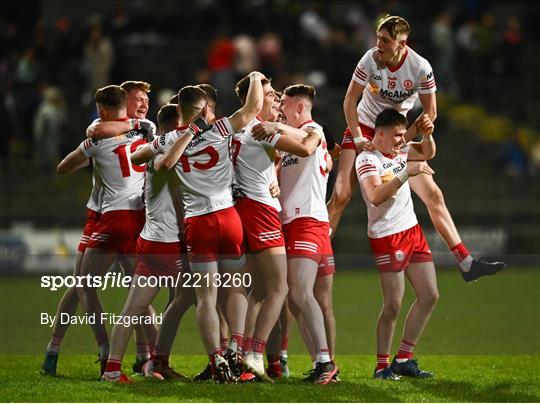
point(210, 91)
point(166, 113)
point(110, 97)
point(188, 96)
point(394, 25)
point(174, 99)
point(242, 87)
point(303, 90)
point(139, 85)
point(390, 118)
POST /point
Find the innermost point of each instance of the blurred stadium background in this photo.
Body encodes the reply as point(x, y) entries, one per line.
point(54, 53)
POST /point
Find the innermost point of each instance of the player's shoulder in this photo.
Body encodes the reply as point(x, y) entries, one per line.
point(416, 59)
point(246, 130)
point(368, 157)
point(312, 125)
point(368, 59)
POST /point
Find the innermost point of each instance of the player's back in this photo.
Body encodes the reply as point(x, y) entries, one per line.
point(206, 172)
point(163, 204)
point(254, 169)
point(121, 182)
point(303, 182)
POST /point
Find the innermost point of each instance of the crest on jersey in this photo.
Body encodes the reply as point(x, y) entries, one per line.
point(400, 255)
point(408, 84)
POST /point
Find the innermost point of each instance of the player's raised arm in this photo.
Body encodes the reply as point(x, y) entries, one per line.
point(72, 162)
point(253, 104)
point(426, 149)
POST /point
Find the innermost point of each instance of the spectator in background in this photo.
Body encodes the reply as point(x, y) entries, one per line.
point(28, 68)
point(514, 158)
point(221, 55)
point(49, 124)
point(444, 46)
point(315, 26)
point(99, 59)
point(246, 59)
point(512, 45)
point(271, 54)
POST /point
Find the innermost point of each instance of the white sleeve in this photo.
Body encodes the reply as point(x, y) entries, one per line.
point(366, 165)
point(224, 127)
point(271, 140)
point(427, 79)
point(161, 143)
point(363, 69)
point(87, 147)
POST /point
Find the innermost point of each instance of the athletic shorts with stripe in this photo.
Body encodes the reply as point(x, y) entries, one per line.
point(394, 253)
point(261, 224)
point(306, 237)
point(348, 143)
point(92, 218)
point(118, 231)
point(155, 258)
point(214, 236)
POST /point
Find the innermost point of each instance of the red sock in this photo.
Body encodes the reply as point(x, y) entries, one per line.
point(258, 345)
point(274, 367)
point(223, 343)
point(238, 338)
point(406, 349)
point(113, 365)
point(246, 346)
point(383, 361)
point(285, 343)
point(460, 252)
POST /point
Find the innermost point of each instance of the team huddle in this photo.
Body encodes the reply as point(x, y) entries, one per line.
point(245, 194)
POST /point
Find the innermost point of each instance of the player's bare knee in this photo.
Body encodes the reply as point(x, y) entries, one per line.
point(391, 310)
point(430, 299)
point(298, 296)
point(342, 197)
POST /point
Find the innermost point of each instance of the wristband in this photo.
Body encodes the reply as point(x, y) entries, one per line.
point(358, 140)
point(403, 176)
point(194, 128)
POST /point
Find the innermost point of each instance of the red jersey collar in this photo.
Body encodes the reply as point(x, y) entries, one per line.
point(308, 121)
point(395, 68)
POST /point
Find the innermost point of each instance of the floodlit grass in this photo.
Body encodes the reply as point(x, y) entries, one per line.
point(483, 344)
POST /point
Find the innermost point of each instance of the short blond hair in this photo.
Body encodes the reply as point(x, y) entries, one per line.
point(138, 85)
point(394, 25)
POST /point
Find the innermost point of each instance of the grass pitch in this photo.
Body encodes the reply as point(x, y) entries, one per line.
point(483, 343)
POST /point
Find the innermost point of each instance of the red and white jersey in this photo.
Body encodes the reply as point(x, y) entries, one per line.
point(96, 196)
point(163, 201)
point(303, 182)
point(205, 169)
point(397, 213)
point(253, 162)
point(391, 87)
point(120, 182)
